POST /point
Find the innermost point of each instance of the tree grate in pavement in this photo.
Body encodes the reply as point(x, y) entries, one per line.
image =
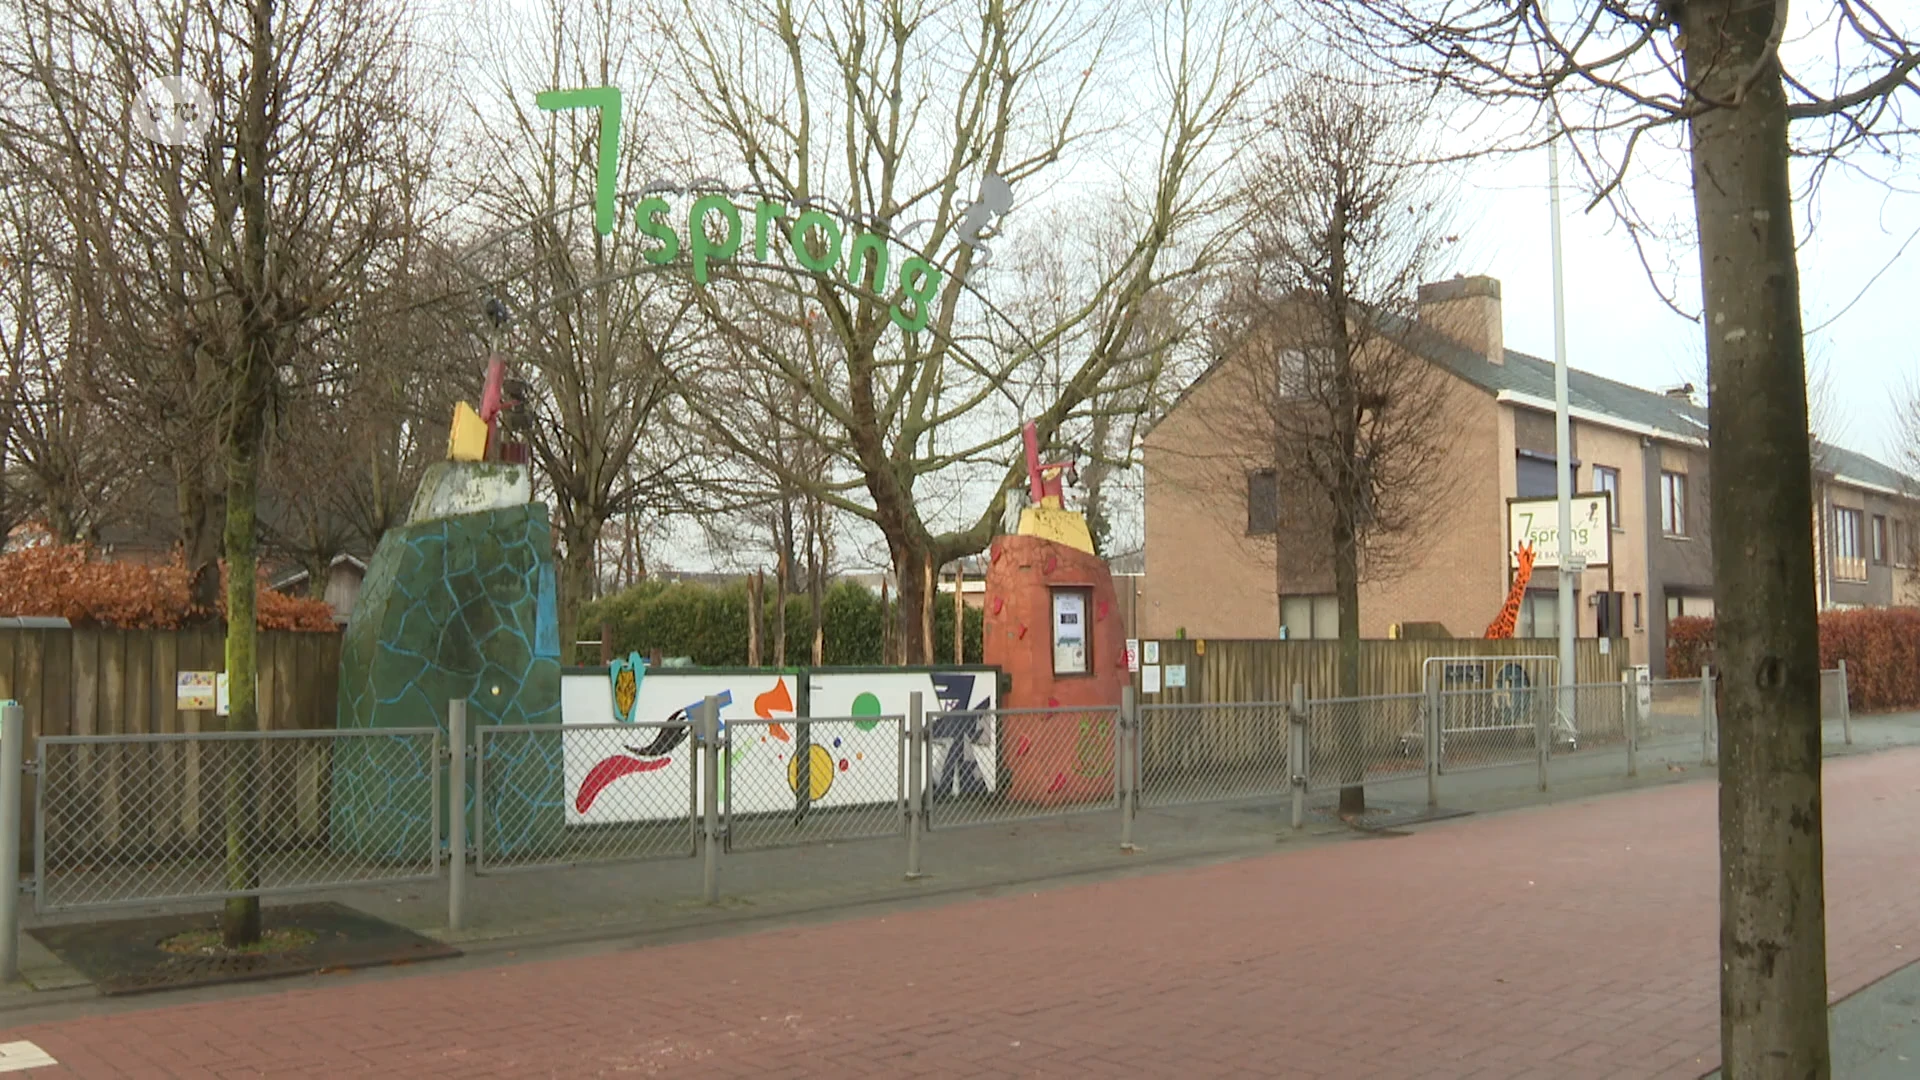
point(1378, 815)
point(124, 956)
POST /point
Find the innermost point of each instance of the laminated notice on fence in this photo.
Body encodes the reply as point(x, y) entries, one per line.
point(193, 690)
point(1176, 676)
point(1150, 679)
point(220, 695)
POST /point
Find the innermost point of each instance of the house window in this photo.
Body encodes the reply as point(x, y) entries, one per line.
point(1673, 503)
point(1263, 502)
point(1637, 622)
point(1902, 543)
point(1537, 476)
point(1310, 616)
point(1608, 480)
point(1879, 540)
point(1849, 557)
point(1693, 607)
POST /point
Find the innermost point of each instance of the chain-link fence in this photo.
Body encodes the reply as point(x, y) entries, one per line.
point(1670, 709)
point(786, 782)
point(1351, 740)
point(1491, 728)
point(564, 794)
point(141, 819)
point(1191, 754)
point(1000, 765)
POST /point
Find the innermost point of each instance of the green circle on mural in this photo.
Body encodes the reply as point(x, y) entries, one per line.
point(866, 705)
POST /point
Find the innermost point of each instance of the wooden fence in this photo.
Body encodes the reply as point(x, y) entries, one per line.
point(1203, 749)
point(1266, 670)
point(121, 682)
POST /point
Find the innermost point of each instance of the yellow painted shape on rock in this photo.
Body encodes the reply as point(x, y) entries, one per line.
point(1060, 526)
point(467, 440)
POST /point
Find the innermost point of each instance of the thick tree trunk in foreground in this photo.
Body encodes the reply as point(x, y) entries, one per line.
point(1773, 971)
point(240, 922)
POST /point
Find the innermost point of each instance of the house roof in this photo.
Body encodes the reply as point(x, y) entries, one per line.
point(300, 574)
point(1524, 375)
point(1528, 379)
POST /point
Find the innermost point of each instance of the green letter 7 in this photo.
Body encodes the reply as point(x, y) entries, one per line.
point(607, 100)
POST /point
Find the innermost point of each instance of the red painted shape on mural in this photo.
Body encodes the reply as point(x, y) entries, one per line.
point(1022, 635)
point(1051, 564)
point(1100, 612)
point(1053, 703)
point(1059, 782)
point(998, 603)
point(608, 771)
point(1021, 750)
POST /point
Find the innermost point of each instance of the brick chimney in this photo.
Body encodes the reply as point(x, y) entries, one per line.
point(1466, 309)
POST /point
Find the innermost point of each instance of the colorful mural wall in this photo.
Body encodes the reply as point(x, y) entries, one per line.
point(765, 774)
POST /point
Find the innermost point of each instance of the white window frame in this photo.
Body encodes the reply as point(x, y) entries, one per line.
point(1607, 479)
point(1673, 503)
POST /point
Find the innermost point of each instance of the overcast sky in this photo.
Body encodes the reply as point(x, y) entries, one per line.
point(1854, 278)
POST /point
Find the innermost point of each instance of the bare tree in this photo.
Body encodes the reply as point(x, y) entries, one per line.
point(1750, 96)
point(906, 119)
point(233, 245)
point(1344, 227)
point(595, 336)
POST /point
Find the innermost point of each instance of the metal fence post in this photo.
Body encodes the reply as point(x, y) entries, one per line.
point(457, 814)
point(1430, 738)
point(1543, 721)
point(1123, 759)
point(13, 742)
point(1708, 719)
point(1846, 706)
point(916, 780)
point(1630, 721)
point(1298, 751)
point(710, 797)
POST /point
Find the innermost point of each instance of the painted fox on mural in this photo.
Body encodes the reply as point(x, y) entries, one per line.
point(1502, 626)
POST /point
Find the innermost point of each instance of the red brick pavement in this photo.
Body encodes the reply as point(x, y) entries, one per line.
point(1568, 942)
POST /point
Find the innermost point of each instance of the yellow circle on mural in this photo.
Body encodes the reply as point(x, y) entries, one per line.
point(819, 773)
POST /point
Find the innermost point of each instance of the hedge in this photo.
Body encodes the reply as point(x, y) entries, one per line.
point(68, 581)
point(1880, 645)
point(708, 624)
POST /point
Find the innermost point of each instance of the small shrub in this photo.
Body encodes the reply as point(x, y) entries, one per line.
point(67, 581)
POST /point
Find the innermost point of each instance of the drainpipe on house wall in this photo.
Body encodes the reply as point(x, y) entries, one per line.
point(1825, 556)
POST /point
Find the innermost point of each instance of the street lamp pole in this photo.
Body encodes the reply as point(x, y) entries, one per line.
point(1562, 444)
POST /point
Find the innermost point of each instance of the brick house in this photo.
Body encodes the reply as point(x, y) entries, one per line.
point(1215, 513)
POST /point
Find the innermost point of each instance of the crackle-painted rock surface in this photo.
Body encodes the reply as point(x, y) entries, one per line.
point(453, 607)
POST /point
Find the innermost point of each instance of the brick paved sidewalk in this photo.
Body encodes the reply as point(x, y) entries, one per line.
point(1575, 941)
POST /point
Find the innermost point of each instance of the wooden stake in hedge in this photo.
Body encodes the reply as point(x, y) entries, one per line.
point(959, 613)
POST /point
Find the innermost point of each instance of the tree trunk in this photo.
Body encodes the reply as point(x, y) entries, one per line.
point(1773, 963)
point(817, 608)
point(755, 598)
point(782, 585)
point(240, 922)
point(582, 539)
point(1351, 740)
point(200, 532)
point(318, 569)
point(913, 610)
